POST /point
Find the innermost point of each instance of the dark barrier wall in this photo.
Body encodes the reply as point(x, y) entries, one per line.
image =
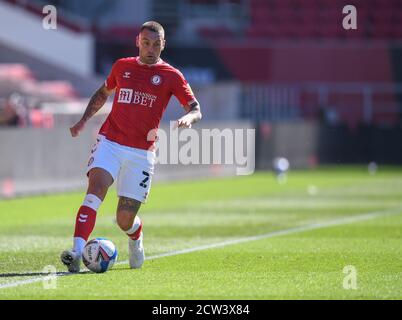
point(309, 144)
point(296, 141)
point(365, 144)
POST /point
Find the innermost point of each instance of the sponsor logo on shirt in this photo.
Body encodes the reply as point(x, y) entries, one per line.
point(136, 97)
point(126, 75)
point(125, 95)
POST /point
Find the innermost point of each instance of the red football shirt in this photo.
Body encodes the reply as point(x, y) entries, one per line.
point(142, 94)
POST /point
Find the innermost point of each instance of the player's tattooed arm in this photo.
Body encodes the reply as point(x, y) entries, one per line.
point(192, 116)
point(96, 102)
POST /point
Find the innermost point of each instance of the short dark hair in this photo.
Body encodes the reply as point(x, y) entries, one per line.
point(153, 26)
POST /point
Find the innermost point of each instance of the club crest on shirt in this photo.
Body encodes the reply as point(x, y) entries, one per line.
point(156, 80)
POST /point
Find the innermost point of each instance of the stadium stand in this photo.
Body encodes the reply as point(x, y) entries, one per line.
point(296, 50)
point(25, 97)
point(288, 42)
point(309, 19)
point(303, 19)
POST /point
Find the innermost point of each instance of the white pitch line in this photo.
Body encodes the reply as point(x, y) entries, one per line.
point(313, 226)
point(309, 227)
point(33, 280)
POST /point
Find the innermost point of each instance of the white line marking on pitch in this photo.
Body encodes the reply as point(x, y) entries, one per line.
point(313, 226)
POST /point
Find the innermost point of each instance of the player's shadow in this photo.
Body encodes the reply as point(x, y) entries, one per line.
point(38, 274)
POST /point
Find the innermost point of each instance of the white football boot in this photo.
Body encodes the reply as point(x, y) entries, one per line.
point(72, 260)
point(136, 252)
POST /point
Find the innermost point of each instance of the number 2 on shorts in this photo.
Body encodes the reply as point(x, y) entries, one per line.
point(143, 182)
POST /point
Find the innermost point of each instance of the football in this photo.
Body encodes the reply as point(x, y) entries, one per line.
point(99, 255)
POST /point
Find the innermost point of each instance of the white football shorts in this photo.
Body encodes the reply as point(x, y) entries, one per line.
point(131, 168)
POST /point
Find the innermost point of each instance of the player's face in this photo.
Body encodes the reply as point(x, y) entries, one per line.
point(150, 45)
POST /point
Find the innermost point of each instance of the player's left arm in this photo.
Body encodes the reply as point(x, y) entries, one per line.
point(192, 116)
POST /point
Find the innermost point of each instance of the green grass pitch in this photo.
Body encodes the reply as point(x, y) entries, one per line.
point(310, 229)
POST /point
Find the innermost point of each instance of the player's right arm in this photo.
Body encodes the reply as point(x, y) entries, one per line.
point(96, 102)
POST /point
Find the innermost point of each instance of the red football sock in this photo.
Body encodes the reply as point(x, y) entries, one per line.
point(135, 231)
point(85, 222)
